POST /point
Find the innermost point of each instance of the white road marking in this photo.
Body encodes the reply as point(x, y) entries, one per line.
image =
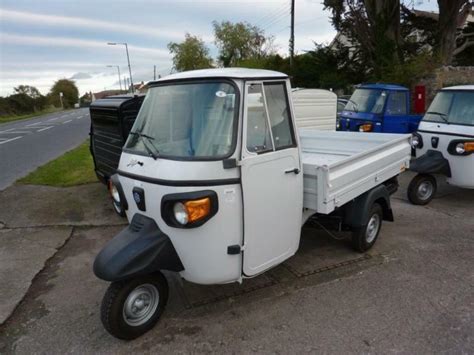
point(53, 119)
point(7, 130)
point(9, 140)
point(67, 121)
point(44, 129)
point(33, 124)
point(15, 132)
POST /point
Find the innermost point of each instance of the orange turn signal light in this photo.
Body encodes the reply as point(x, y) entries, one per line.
point(469, 146)
point(365, 128)
point(198, 209)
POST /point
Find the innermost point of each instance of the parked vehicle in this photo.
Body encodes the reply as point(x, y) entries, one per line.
point(315, 108)
point(379, 108)
point(341, 104)
point(217, 181)
point(111, 120)
point(444, 144)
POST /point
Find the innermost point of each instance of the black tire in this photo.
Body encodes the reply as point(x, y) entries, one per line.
point(113, 310)
point(422, 189)
point(363, 238)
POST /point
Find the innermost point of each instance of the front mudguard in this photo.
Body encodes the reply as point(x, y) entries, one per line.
point(432, 162)
point(139, 249)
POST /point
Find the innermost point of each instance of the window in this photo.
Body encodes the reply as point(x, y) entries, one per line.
point(190, 121)
point(452, 107)
point(258, 133)
point(279, 113)
point(267, 106)
point(397, 103)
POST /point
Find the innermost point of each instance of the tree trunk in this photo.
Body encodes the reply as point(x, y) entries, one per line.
point(450, 14)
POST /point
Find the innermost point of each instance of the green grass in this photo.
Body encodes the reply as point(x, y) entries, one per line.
point(75, 167)
point(6, 119)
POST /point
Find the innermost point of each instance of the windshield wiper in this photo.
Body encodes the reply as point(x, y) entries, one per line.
point(440, 114)
point(148, 144)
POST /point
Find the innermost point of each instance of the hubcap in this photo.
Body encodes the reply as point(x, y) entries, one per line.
point(372, 228)
point(425, 190)
point(140, 305)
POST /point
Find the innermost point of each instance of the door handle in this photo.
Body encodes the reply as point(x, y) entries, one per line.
point(294, 171)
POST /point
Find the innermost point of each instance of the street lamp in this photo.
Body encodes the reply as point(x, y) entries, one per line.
point(128, 59)
point(118, 69)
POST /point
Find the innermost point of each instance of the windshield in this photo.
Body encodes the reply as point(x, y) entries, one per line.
point(367, 101)
point(186, 121)
point(453, 107)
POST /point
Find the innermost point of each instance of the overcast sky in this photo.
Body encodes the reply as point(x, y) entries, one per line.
point(42, 41)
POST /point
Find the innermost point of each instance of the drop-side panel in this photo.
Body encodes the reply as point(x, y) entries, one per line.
point(339, 166)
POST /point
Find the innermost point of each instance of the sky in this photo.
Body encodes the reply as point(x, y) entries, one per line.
point(43, 41)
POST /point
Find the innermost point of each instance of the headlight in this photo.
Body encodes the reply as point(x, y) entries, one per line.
point(180, 213)
point(365, 127)
point(415, 141)
point(461, 147)
point(192, 211)
point(114, 192)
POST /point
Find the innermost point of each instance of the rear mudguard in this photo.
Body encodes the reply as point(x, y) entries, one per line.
point(139, 249)
point(357, 212)
point(432, 162)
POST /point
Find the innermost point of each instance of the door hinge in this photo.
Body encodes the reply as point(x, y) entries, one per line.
point(235, 249)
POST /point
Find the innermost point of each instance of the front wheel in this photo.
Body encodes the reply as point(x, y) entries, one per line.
point(363, 238)
point(131, 308)
point(422, 189)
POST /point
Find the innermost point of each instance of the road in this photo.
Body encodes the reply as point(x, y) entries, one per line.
point(28, 144)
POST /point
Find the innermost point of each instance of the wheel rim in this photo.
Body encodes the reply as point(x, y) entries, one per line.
point(425, 190)
point(140, 305)
point(372, 228)
point(117, 207)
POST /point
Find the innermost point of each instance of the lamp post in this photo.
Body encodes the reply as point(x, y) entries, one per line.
point(128, 60)
point(118, 69)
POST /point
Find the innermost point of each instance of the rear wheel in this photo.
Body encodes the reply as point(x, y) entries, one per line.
point(131, 308)
point(422, 189)
point(363, 238)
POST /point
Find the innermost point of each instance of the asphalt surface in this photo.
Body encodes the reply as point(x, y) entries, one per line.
point(413, 293)
point(28, 144)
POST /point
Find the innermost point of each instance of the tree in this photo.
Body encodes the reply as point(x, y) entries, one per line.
point(190, 54)
point(69, 90)
point(373, 26)
point(452, 13)
point(240, 41)
point(31, 91)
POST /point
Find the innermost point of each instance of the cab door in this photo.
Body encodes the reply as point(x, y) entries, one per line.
point(272, 177)
point(396, 118)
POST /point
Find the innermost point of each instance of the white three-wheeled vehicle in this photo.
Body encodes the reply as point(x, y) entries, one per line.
point(216, 182)
point(444, 144)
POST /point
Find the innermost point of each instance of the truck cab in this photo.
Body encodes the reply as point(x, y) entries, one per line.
point(217, 180)
point(444, 144)
point(379, 108)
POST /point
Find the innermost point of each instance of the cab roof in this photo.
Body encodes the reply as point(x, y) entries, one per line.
point(231, 73)
point(392, 87)
point(460, 87)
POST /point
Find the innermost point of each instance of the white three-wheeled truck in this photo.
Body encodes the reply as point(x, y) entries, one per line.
point(217, 182)
point(444, 144)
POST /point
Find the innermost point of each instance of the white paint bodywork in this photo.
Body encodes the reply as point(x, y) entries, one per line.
point(339, 166)
point(462, 167)
point(264, 212)
point(315, 108)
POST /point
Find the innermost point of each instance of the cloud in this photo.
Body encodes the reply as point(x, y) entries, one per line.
point(81, 22)
point(80, 75)
point(52, 41)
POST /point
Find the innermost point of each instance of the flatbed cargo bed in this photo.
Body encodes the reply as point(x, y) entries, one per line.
point(340, 166)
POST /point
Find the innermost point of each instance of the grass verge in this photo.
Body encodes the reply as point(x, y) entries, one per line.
point(6, 119)
point(75, 167)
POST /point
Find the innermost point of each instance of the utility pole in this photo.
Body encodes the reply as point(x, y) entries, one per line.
point(118, 70)
point(292, 35)
point(154, 72)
